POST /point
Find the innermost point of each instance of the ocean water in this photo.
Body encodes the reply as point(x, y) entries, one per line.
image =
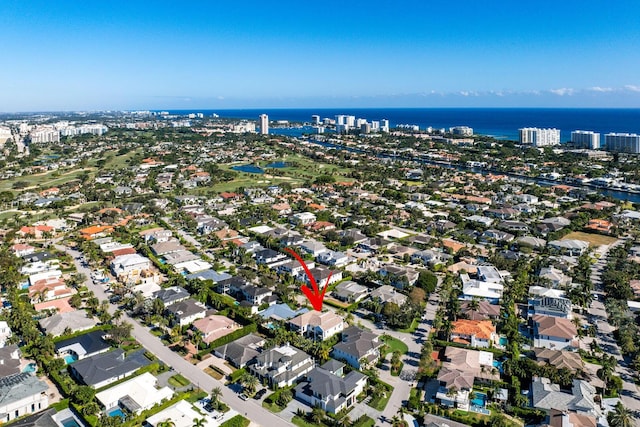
point(501, 123)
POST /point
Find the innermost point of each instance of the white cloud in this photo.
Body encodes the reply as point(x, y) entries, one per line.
point(632, 88)
point(601, 89)
point(562, 91)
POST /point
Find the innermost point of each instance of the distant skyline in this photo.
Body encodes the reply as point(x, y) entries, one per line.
point(71, 55)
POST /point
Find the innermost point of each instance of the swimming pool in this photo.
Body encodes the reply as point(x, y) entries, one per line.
point(70, 358)
point(116, 412)
point(31, 367)
point(497, 364)
point(480, 400)
point(70, 422)
point(504, 341)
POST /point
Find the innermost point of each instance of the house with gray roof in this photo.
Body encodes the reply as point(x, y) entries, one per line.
point(186, 312)
point(103, 369)
point(349, 291)
point(10, 361)
point(171, 295)
point(241, 351)
point(83, 346)
point(22, 394)
point(73, 321)
point(328, 388)
point(282, 366)
point(387, 293)
point(581, 399)
point(281, 312)
point(358, 346)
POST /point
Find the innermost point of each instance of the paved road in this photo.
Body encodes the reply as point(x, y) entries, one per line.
point(249, 408)
point(604, 337)
point(414, 343)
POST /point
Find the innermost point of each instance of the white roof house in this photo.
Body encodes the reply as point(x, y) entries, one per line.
point(181, 414)
point(136, 395)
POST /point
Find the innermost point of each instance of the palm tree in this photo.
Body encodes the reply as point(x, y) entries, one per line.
point(317, 415)
point(215, 395)
point(199, 422)
point(621, 416)
point(249, 382)
point(167, 423)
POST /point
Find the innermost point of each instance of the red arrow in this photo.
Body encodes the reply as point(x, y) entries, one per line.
point(315, 297)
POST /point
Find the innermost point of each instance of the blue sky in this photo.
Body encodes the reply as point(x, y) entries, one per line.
point(72, 55)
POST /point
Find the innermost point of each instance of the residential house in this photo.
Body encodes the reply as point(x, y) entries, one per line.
point(11, 361)
point(5, 333)
point(489, 284)
point(313, 247)
point(49, 289)
point(550, 306)
point(385, 294)
point(302, 218)
point(553, 332)
point(215, 326)
point(22, 249)
point(350, 292)
point(459, 372)
point(328, 388)
point(73, 321)
point(22, 394)
point(581, 399)
point(129, 268)
point(333, 258)
point(135, 395)
point(430, 257)
point(186, 311)
point(281, 312)
point(103, 369)
point(255, 295)
point(171, 295)
point(484, 310)
point(475, 333)
point(399, 276)
point(322, 275)
point(282, 366)
point(241, 351)
point(559, 359)
point(270, 258)
point(358, 347)
point(555, 277)
point(317, 325)
point(83, 346)
point(167, 247)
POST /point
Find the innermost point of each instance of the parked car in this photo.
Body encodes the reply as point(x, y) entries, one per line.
point(260, 393)
point(244, 396)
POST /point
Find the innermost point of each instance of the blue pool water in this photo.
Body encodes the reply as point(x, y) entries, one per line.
point(498, 365)
point(480, 400)
point(248, 169)
point(70, 358)
point(117, 412)
point(277, 165)
point(70, 422)
point(504, 341)
point(31, 367)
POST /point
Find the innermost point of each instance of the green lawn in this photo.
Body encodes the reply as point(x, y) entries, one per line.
point(237, 421)
point(364, 421)
point(412, 327)
point(394, 344)
point(303, 423)
point(179, 381)
point(381, 402)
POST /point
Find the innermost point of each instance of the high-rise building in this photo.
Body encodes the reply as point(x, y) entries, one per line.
point(461, 130)
point(623, 142)
point(315, 119)
point(384, 125)
point(264, 124)
point(539, 137)
point(585, 139)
